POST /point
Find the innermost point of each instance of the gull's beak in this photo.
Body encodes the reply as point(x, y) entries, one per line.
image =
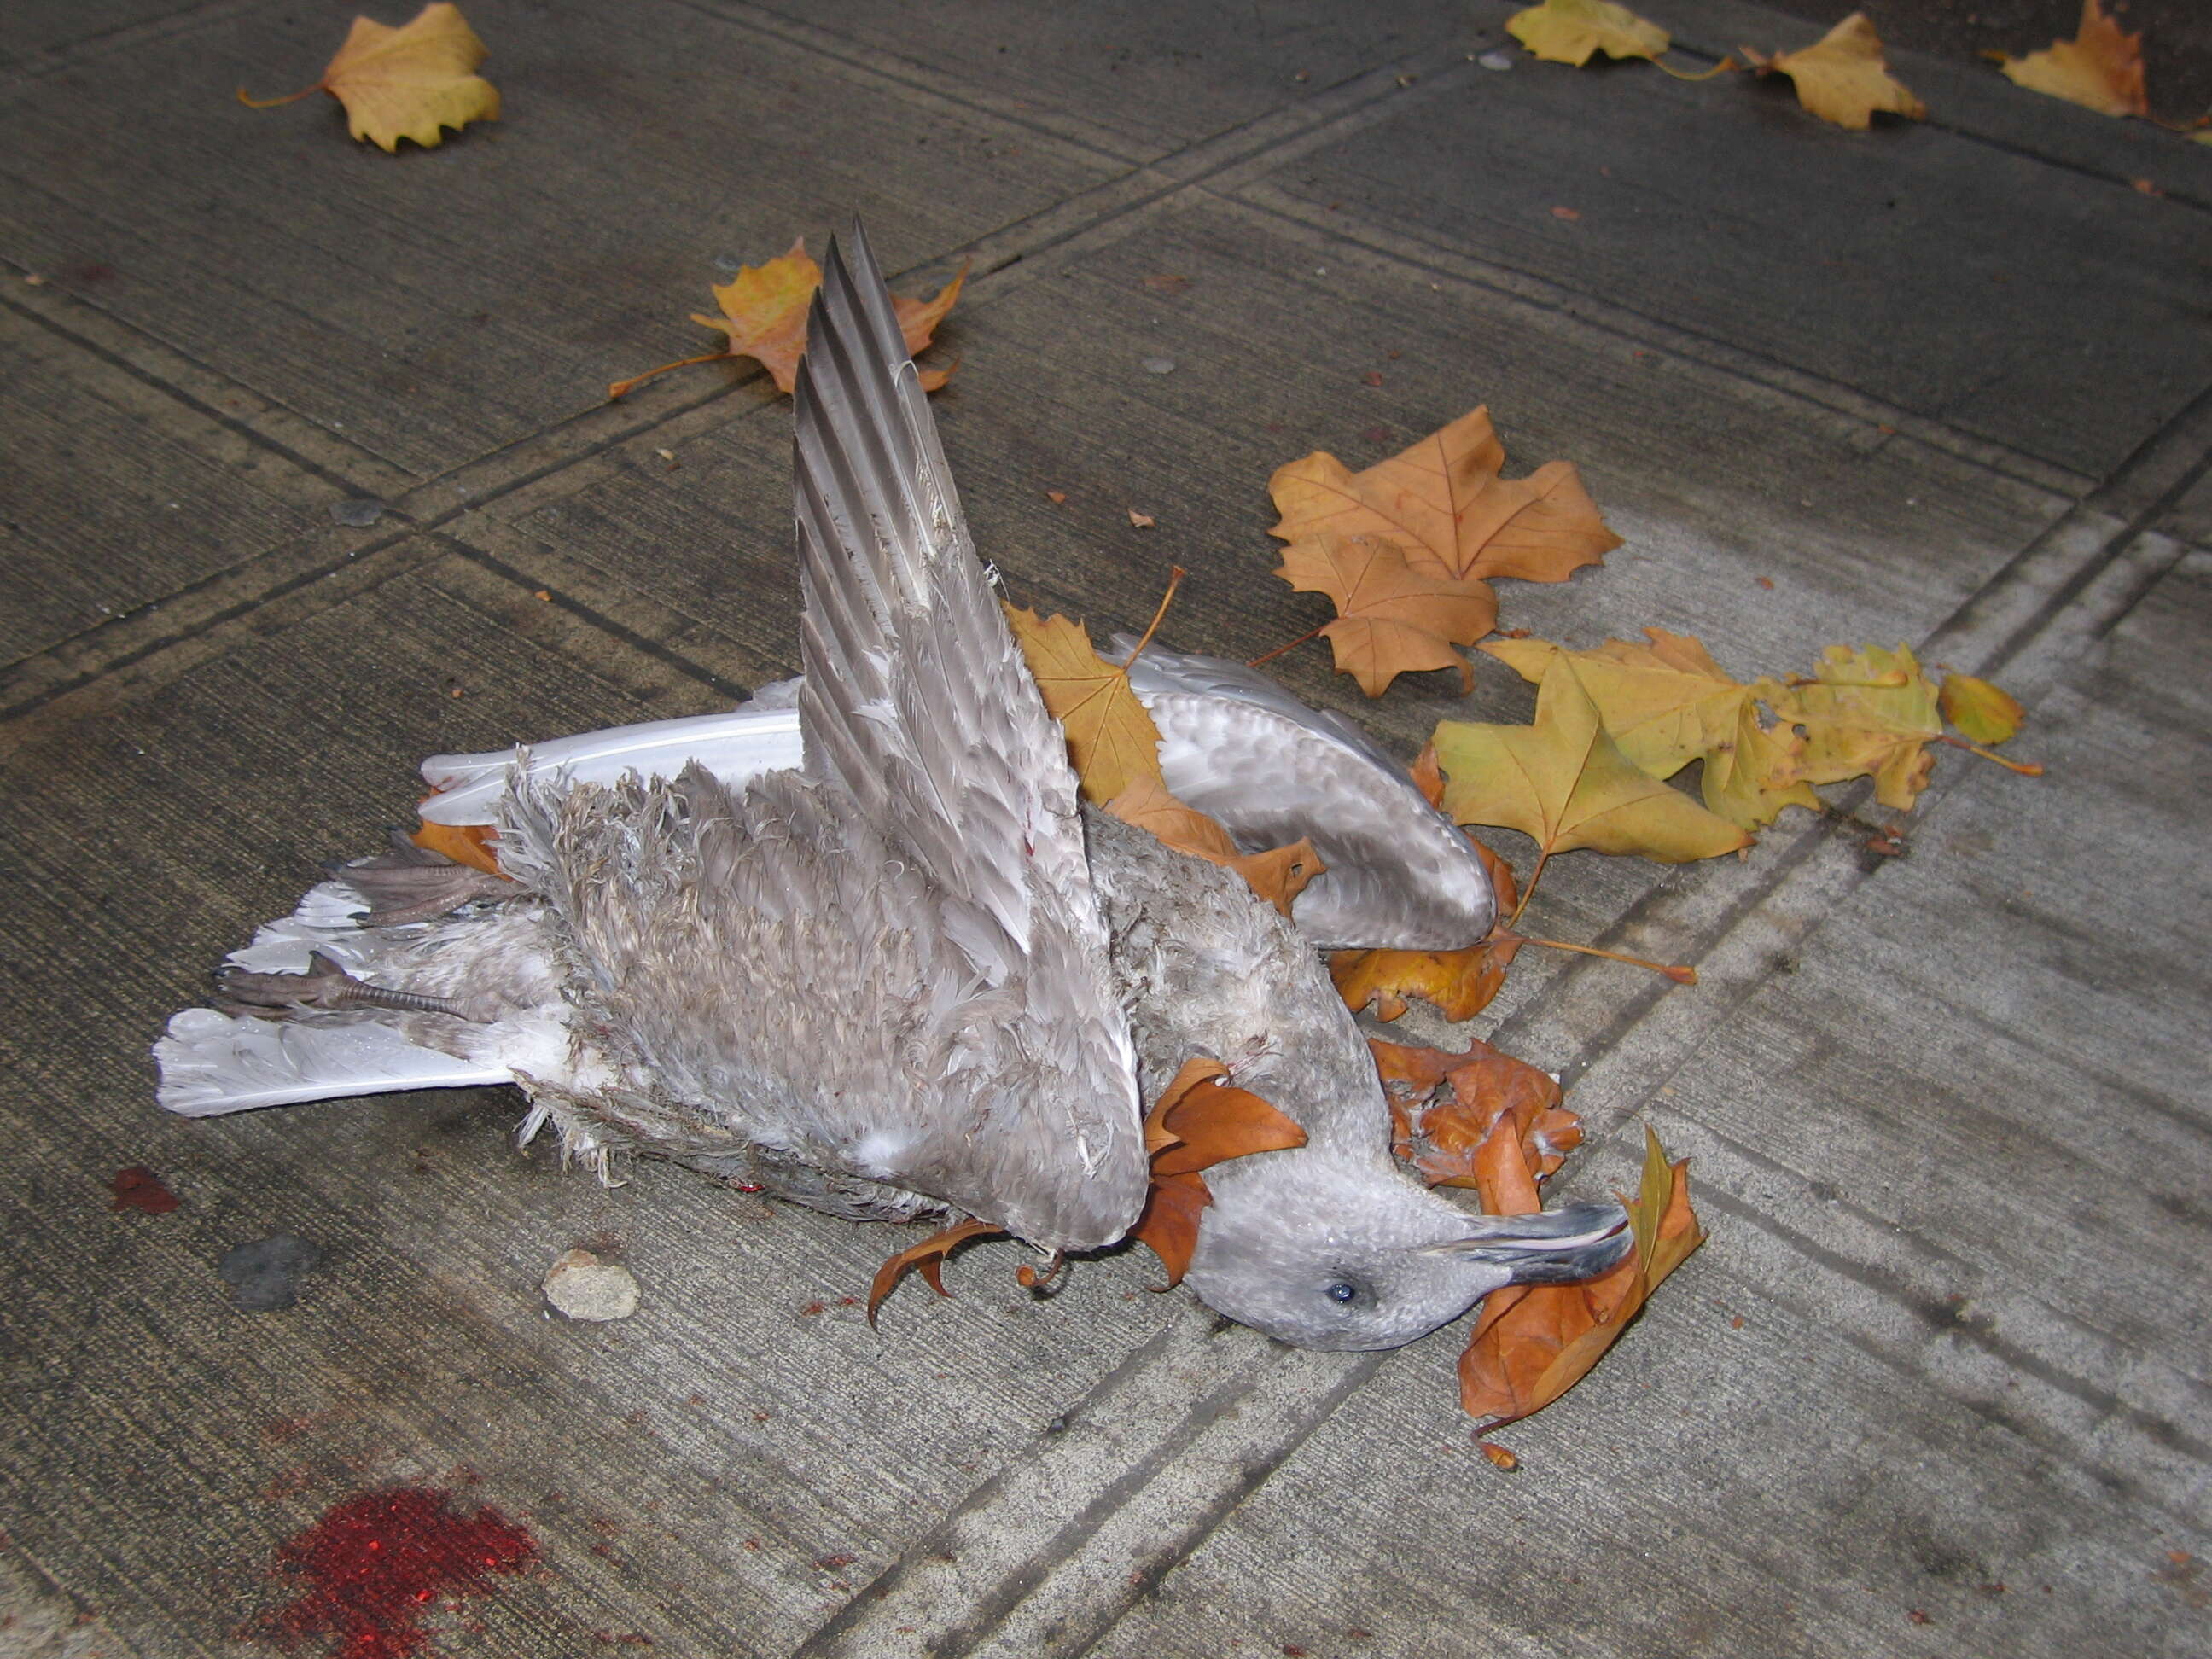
point(1552, 1247)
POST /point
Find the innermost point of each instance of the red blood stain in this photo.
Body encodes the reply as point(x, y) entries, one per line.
point(375, 1563)
point(139, 1188)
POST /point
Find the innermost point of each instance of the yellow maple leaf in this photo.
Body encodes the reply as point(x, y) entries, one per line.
point(2102, 68)
point(1865, 711)
point(1841, 78)
point(1572, 31)
point(1666, 702)
point(1391, 618)
point(1757, 772)
point(1111, 738)
point(1564, 783)
point(763, 316)
point(1443, 501)
point(1985, 712)
point(412, 81)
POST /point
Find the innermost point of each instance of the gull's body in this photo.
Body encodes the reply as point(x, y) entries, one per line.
point(860, 946)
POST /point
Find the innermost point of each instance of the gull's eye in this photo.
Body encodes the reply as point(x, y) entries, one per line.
point(1341, 1291)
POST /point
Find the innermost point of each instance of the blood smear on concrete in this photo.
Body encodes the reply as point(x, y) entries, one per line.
point(376, 1563)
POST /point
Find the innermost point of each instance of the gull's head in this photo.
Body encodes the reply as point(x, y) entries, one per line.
point(1375, 1261)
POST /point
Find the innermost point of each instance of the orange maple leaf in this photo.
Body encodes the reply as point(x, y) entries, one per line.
point(1534, 1342)
point(764, 317)
point(1393, 616)
point(1443, 501)
point(2102, 68)
point(412, 81)
point(1444, 1108)
point(1277, 875)
point(1200, 1121)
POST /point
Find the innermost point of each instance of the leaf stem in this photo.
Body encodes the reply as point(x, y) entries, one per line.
point(1529, 892)
point(1680, 974)
point(623, 388)
point(272, 103)
point(2026, 768)
point(1720, 68)
point(1176, 574)
point(1312, 633)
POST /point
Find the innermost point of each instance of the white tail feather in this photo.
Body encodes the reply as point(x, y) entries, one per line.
point(214, 1063)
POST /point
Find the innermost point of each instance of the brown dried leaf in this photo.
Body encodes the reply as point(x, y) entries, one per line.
point(1277, 875)
point(2102, 68)
point(412, 81)
point(1391, 618)
point(929, 1257)
point(1198, 1123)
point(1458, 984)
point(1443, 501)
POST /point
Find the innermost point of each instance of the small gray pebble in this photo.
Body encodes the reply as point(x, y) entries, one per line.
point(265, 1274)
point(581, 1286)
point(728, 262)
point(1160, 365)
point(358, 513)
point(1496, 60)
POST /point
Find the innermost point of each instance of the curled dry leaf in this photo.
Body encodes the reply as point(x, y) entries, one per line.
point(763, 316)
point(1460, 983)
point(1981, 711)
point(1277, 875)
point(412, 81)
point(1198, 1121)
point(1392, 618)
point(1445, 1108)
point(1534, 1342)
point(1842, 78)
point(2102, 68)
point(1865, 711)
point(1111, 738)
point(929, 1257)
point(1564, 782)
point(1572, 31)
point(1444, 501)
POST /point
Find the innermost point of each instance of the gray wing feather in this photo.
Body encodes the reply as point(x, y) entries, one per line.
point(892, 964)
point(1235, 744)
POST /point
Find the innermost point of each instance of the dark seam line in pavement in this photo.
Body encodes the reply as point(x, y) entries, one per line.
point(1564, 306)
point(75, 53)
point(606, 624)
point(38, 700)
point(929, 1546)
point(2062, 1446)
point(2144, 456)
point(1251, 1477)
point(2072, 587)
point(229, 422)
point(909, 73)
point(2147, 1099)
point(2080, 169)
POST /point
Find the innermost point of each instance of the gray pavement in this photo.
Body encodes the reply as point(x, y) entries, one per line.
point(1938, 1385)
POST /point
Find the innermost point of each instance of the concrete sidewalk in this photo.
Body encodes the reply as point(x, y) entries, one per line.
point(1938, 1384)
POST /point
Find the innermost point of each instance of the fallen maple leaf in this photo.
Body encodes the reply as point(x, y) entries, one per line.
point(1666, 703)
point(1443, 500)
point(1445, 1108)
point(1460, 983)
point(1572, 31)
point(1564, 783)
point(1277, 875)
point(412, 81)
point(1200, 1120)
point(1391, 618)
point(1983, 712)
point(1532, 1343)
point(2102, 68)
point(1111, 738)
point(929, 1257)
point(1866, 711)
point(1842, 78)
point(764, 317)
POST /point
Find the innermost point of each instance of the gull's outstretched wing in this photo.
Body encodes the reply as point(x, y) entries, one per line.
point(890, 963)
point(1235, 744)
